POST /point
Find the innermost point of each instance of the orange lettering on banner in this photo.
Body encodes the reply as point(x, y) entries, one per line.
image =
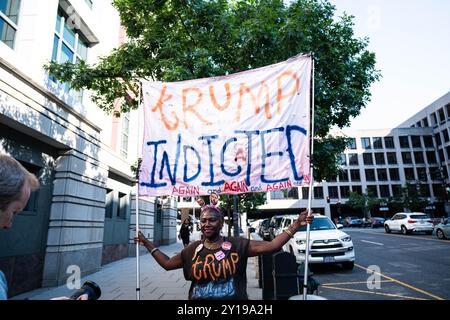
point(280, 95)
point(159, 106)
point(209, 259)
point(265, 87)
point(214, 100)
point(191, 107)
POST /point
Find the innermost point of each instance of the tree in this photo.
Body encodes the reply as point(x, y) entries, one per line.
point(364, 202)
point(187, 39)
point(247, 202)
point(411, 198)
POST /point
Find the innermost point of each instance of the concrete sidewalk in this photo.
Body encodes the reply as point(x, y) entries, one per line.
point(117, 280)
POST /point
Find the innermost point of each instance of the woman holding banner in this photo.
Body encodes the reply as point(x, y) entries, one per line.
point(217, 265)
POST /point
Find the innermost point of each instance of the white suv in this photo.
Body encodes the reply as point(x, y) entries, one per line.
point(407, 222)
point(327, 243)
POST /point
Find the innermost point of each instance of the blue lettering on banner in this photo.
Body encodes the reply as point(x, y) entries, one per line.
point(171, 169)
point(185, 177)
point(266, 155)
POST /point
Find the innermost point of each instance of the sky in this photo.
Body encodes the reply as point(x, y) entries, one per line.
point(411, 40)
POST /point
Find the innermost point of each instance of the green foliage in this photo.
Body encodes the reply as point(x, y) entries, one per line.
point(411, 198)
point(172, 40)
point(364, 202)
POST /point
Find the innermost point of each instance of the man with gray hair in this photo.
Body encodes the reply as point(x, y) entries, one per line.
point(16, 185)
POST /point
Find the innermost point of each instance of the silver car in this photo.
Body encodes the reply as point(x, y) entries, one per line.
point(442, 230)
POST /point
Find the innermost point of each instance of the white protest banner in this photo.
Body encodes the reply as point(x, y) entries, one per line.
point(245, 132)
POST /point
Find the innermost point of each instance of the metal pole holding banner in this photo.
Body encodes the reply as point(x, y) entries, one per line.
point(138, 280)
point(308, 226)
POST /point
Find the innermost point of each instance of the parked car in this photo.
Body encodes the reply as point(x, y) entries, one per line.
point(377, 222)
point(328, 244)
point(407, 222)
point(353, 222)
point(442, 230)
point(263, 230)
point(274, 224)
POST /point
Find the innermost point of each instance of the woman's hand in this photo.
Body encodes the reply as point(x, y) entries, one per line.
point(141, 239)
point(303, 219)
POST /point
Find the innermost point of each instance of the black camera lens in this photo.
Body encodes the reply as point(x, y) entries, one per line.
point(90, 288)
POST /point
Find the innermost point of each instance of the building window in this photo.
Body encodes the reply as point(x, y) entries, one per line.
point(441, 155)
point(125, 135)
point(418, 157)
point(435, 173)
point(438, 139)
point(318, 193)
point(291, 193)
point(305, 193)
point(418, 124)
point(370, 174)
point(9, 18)
point(333, 179)
point(89, 3)
point(343, 176)
point(428, 141)
point(394, 174)
point(333, 192)
point(123, 206)
point(433, 119)
point(342, 159)
point(68, 45)
point(448, 110)
point(355, 175)
point(431, 157)
point(368, 158)
point(447, 149)
point(445, 135)
point(389, 143)
point(352, 144)
point(353, 159)
point(384, 191)
point(345, 191)
point(377, 143)
point(365, 143)
point(379, 158)
point(391, 157)
point(409, 174)
point(404, 142)
point(421, 174)
point(441, 115)
point(372, 191)
point(109, 201)
point(357, 189)
point(425, 122)
point(382, 175)
point(406, 157)
point(415, 140)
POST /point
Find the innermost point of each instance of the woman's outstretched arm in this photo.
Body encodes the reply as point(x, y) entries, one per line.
point(163, 260)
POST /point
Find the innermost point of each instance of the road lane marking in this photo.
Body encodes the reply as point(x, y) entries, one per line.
point(372, 292)
point(377, 243)
point(408, 237)
point(353, 282)
point(401, 283)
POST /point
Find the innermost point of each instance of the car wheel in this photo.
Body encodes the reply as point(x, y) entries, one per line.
point(404, 230)
point(387, 229)
point(348, 265)
point(440, 234)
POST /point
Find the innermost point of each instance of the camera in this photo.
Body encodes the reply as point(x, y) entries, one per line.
point(90, 288)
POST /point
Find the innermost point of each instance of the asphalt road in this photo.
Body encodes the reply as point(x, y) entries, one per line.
point(412, 267)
